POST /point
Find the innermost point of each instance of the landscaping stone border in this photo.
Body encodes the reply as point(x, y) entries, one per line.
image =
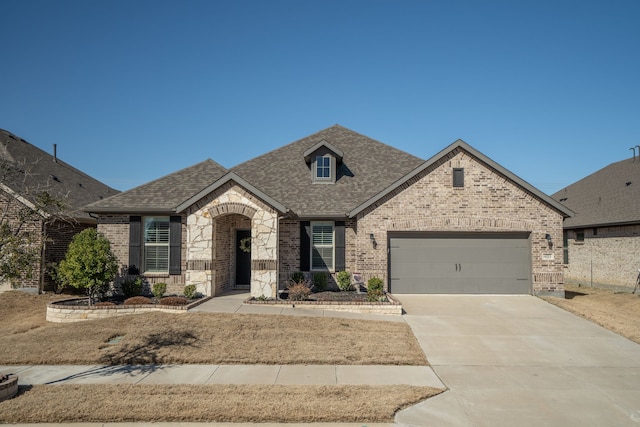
point(392, 307)
point(59, 312)
point(9, 387)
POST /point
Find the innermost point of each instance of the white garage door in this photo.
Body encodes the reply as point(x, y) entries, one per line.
point(460, 263)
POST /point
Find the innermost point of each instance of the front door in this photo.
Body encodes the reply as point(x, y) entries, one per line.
point(243, 257)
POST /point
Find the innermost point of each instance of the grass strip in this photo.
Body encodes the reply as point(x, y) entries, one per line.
point(209, 403)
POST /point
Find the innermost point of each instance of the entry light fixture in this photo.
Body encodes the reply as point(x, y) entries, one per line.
point(373, 240)
point(549, 239)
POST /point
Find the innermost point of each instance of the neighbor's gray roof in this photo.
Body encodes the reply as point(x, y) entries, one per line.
point(164, 194)
point(368, 166)
point(34, 170)
point(610, 196)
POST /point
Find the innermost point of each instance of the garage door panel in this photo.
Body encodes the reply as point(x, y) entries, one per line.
point(472, 264)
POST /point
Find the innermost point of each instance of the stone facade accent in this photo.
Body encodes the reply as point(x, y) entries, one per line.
point(211, 228)
point(607, 256)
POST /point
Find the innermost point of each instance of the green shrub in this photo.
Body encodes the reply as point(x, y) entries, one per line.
point(190, 291)
point(375, 283)
point(89, 264)
point(137, 300)
point(174, 301)
point(344, 280)
point(159, 289)
point(297, 277)
point(320, 281)
point(132, 287)
point(375, 289)
point(299, 291)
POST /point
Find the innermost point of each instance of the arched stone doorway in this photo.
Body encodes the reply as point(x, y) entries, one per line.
point(230, 238)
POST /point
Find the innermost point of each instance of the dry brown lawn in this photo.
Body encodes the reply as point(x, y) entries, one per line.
point(616, 311)
point(201, 403)
point(26, 338)
point(198, 338)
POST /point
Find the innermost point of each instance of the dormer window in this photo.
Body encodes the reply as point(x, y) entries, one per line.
point(323, 160)
point(323, 168)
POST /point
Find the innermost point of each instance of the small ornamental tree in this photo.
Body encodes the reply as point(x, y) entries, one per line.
point(89, 264)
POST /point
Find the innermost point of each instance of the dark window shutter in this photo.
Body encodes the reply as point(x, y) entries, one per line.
point(458, 177)
point(175, 244)
point(339, 246)
point(135, 239)
point(305, 246)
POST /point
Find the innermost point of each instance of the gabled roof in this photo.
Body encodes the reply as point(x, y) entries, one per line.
point(478, 155)
point(338, 153)
point(368, 166)
point(164, 194)
point(34, 170)
point(610, 196)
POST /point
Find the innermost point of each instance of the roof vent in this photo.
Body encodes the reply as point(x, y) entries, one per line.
point(53, 177)
point(628, 183)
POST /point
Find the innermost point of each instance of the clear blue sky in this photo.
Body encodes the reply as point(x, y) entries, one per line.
point(133, 90)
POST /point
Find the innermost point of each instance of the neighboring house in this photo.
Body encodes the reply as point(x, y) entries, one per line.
point(602, 240)
point(27, 171)
point(338, 200)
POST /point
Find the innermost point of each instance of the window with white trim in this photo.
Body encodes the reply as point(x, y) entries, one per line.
point(322, 246)
point(323, 168)
point(156, 244)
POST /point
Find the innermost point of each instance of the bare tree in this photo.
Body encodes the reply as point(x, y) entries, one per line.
point(26, 207)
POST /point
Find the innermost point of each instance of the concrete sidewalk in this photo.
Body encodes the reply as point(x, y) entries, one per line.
point(226, 374)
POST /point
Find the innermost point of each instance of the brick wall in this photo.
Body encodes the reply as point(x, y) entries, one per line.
point(608, 256)
point(487, 202)
point(59, 236)
point(116, 229)
point(9, 209)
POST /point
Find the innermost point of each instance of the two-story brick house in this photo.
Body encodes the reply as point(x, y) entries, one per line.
point(338, 200)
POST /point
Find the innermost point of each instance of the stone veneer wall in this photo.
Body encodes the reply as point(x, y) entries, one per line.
point(210, 250)
point(487, 202)
point(116, 229)
point(607, 258)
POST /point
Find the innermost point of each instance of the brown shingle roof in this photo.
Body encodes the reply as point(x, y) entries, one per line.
point(607, 197)
point(368, 167)
point(35, 170)
point(163, 194)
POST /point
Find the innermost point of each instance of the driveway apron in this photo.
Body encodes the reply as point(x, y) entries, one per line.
point(520, 361)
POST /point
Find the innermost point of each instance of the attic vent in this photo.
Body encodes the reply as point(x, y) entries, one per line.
point(79, 184)
point(53, 177)
point(563, 199)
point(628, 183)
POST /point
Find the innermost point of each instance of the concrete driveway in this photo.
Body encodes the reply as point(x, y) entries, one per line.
point(519, 361)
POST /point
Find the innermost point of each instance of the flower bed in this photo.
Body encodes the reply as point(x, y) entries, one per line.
point(340, 301)
point(78, 309)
